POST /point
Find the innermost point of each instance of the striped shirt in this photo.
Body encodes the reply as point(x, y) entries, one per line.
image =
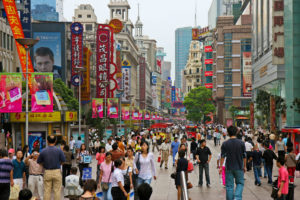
point(5, 167)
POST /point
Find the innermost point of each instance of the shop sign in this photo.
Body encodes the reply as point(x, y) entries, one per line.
point(247, 74)
point(71, 116)
point(208, 85)
point(208, 61)
point(126, 81)
point(263, 71)
point(36, 117)
point(116, 25)
point(208, 73)
point(208, 49)
point(278, 32)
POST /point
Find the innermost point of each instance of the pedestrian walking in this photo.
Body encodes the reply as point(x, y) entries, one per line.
point(78, 143)
point(116, 153)
point(174, 147)
point(290, 162)
point(97, 145)
point(203, 156)
point(283, 180)
point(89, 190)
point(36, 173)
point(72, 188)
point(80, 158)
point(19, 172)
point(144, 165)
point(127, 173)
point(165, 150)
point(100, 157)
point(25, 155)
point(118, 191)
point(106, 170)
point(194, 146)
point(219, 167)
point(6, 175)
point(256, 159)
point(154, 143)
point(182, 165)
point(66, 167)
point(249, 148)
point(108, 146)
point(269, 156)
point(280, 148)
point(235, 153)
point(51, 158)
point(72, 144)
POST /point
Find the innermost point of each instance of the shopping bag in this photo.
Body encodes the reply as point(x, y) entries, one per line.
point(131, 195)
point(190, 167)
point(159, 158)
point(14, 192)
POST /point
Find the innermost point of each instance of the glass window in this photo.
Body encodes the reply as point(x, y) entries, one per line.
point(88, 27)
point(79, 16)
point(4, 40)
point(198, 70)
point(228, 78)
point(89, 16)
point(228, 92)
point(198, 80)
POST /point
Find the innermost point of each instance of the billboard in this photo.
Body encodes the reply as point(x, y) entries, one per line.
point(47, 53)
point(208, 49)
point(113, 108)
point(97, 108)
point(10, 92)
point(247, 74)
point(126, 113)
point(208, 61)
point(199, 34)
point(147, 115)
point(126, 81)
point(36, 140)
point(42, 92)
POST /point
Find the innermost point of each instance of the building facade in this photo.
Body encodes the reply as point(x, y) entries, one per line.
point(47, 10)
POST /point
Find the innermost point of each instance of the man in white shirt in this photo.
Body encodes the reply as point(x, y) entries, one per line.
point(97, 145)
point(224, 132)
point(71, 144)
point(108, 146)
point(164, 150)
point(249, 148)
point(154, 142)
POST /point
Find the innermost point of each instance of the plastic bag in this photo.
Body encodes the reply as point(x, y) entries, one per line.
point(14, 192)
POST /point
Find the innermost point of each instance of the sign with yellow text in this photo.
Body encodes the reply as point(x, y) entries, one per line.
point(36, 117)
point(71, 116)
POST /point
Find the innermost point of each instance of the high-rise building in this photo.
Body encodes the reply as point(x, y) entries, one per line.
point(166, 70)
point(47, 10)
point(217, 8)
point(183, 38)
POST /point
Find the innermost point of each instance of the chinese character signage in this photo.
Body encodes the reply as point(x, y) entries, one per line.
point(247, 74)
point(26, 18)
point(125, 113)
point(113, 108)
point(208, 73)
point(199, 34)
point(126, 82)
point(278, 32)
point(36, 117)
point(173, 94)
point(10, 93)
point(97, 108)
point(86, 85)
point(272, 113)
point(208, 61)
point(142, 64)
point(76, 51)
point(208, 85)
point(42, 92)
point(208, 49)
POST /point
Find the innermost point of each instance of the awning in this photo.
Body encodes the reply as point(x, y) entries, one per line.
point(242, 117)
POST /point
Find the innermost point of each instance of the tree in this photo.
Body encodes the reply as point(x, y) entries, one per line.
point(233, 111)
point(67, 94)
point(198, 103)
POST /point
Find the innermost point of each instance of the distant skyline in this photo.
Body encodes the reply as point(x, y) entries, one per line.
point(160, 18)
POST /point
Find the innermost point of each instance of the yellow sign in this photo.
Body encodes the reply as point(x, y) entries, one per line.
point(36, 117)
point(71, 116)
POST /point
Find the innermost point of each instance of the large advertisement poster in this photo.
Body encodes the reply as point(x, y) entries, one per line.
point(10, 93)
point(247, 74)
point(135, 113)
point(113, 108)
point(36, 141)
point(42, 92)
point(97, 108)
point(126, 81)
point(125, 113)
point(47, 53)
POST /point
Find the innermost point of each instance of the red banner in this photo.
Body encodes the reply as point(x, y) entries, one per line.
point(76, 51)
point(272, 113)
point(208, 85)
point(86, 84)
point(208, 61)
point(209, 73)
point(208, 49)
point(17, 30)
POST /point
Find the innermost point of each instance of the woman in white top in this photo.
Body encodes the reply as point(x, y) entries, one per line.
point(118, 191)
point(144, 165)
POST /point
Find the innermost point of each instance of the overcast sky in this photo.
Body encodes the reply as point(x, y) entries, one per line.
point(160, 18)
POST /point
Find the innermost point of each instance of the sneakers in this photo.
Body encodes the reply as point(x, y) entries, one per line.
point(208, 185)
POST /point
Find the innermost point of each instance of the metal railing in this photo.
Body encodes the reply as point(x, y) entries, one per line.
point(183, 185)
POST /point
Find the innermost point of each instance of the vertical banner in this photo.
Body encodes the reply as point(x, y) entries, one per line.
point(147, 115)
point(142, 87)
point(153, 116)
point(126, 82)
point(97, 108)
point(125, 113)
point(42, 92)
point(113, 108)
point(76, 51)
point(173, 93)
point(252, 115)
point(26, 18)
point(272, 114)
point(17, 30)
point(158, 63)
point(86, 85)
point(135, 113)
point(119, 67)
point(10, 93)
point(104, 59)
point(140, 115)
point(247, 74)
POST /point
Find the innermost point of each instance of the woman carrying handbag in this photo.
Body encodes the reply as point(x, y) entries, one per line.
point(182, 165)
point(106, 170)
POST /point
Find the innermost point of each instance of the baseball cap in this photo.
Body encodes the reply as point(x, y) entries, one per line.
point(11, 151)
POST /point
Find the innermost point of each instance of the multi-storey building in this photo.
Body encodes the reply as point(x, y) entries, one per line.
point(166, 70)
point(192, 72)
point(183, 38)
point(232, 61)
point(47, 10)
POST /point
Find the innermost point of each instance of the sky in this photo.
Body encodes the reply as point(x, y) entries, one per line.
point(160, 18)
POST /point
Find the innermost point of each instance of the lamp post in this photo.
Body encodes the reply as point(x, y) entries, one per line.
point(27, 43)
point(79, 70)
point(130, 97)
point(120, 91)
point(105, 84)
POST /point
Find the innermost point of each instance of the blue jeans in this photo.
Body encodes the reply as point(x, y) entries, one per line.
point(174, 154)
point(256, 174)
point(107, 194)
point(269, 169)
point(238, 176)
point(140, 181)
point(265, 169)
point(206, 168)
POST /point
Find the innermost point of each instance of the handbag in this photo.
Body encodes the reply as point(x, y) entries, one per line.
point(105, 185)
point(190, 167)
point(189, 185)
point(274, 192)
point(159, 158)
point(173, 175)
point(127, 181)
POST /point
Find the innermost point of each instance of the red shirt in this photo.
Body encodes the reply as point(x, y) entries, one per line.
point(283, 175)
point(100, 157)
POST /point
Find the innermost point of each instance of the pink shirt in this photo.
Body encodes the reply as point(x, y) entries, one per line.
point(106, 171)
point(100, 157)
point(283, 175)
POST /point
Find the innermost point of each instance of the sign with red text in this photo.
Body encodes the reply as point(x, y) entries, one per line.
point(208, 61)
point(208, 73)
point(278, 32)
point(208, 49)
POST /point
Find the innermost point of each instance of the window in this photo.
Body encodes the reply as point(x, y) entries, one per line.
point(4, 40)
point(228, 78)
point(228, 92)
point(89, 16)
point(88, 27)
point(198, 70)
point(79, 16)
point(198, 80)
point(190, 71)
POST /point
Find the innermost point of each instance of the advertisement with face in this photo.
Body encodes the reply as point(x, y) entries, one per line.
point(36, 141)
point(113, 109)
point(125, 113)
point(97, 108)
point(47, 53)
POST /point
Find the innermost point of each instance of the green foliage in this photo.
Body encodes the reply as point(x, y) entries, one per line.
point(66, 93)
point(233, 111)
point(198, 103)
point(95, 123)
point(296, 105)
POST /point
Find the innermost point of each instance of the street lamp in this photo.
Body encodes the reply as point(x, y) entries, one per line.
point(27, 43)
point(79, 70)
point(120, 91)
point(105, 84)
point(130, 97)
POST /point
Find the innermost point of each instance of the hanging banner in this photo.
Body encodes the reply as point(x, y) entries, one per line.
point(76, 51)
point(173, 93)
point(135, 113)
point(86, 85)
point(126, 83)
point(97, 108)
point(17, 30)
point(247, 74)
point(147, 115)
point(113, 108)
point(10, 93)
point(42, 92)
point(272, 114)
point(104, 59)
point(126, 113)
point(153, 117)
point(26, 18)
point(140, 115)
